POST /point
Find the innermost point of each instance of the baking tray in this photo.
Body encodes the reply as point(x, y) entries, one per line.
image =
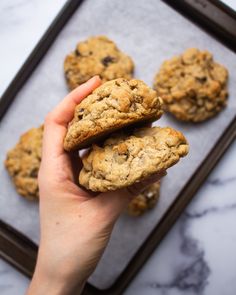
point(19, 249)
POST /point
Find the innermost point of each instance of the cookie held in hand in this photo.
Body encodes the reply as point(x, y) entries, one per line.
point(192, 85)
point(123, 160)
point(96, 56)
point(112, 106)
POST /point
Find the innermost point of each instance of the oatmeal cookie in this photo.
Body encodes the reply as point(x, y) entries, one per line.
point(96, 56)
point(111, 106)
point(144, 201)
point(125, 159)
point(23, 163)
point(192, 85)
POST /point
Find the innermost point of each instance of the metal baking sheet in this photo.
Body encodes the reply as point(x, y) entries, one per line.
point(150, 32)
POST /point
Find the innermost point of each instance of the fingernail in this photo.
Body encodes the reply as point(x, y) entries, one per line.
point(97, 77)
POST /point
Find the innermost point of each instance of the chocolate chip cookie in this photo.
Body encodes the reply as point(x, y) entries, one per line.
point(124, 159)
point(113, 105)
point(23, 163)
point(192, 85)
point(96, 56)
point(144, 201)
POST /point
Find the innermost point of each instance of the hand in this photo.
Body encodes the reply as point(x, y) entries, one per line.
point(75, 225)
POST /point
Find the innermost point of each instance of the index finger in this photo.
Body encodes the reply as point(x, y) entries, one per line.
point(64, 112)
point(55, 125)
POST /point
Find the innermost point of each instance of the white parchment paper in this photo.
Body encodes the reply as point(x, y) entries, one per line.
point(150, 32)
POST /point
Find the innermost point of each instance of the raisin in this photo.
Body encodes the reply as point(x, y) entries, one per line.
point(107, 60)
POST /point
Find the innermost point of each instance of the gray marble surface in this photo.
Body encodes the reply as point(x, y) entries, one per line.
point(198, 256)
point(22, 23)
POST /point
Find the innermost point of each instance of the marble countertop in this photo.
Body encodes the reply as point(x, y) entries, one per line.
point(198, 256)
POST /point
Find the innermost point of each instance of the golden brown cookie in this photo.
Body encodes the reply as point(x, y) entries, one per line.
point(23, 163)
point(96, 56)
point(192, 85)
point(123, 159)
point(144, 201)
point(113, 105)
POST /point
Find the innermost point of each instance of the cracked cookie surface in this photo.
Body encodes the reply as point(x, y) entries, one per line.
point(111, 106)
point(192, 85)
point(144, 201)
point(96, 56)
point(124, 159)
point(23, 161)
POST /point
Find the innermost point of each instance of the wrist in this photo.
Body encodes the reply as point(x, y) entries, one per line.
point(56, 284)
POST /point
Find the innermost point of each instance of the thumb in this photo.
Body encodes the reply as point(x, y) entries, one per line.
point(113, 203)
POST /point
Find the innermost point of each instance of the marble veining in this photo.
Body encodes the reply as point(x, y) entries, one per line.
point(193, 278)
point(189, 277)
point(220, 181)
point(209, 211)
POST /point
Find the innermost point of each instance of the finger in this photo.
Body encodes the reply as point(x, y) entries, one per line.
point(139, 187)
point(55, 126)
point(64, 112)
point(113, 203)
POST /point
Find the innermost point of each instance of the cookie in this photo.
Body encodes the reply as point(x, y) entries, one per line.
point(192, 85)
point(96, 56)
point(23, 163)
point(123, 159)
point(144, 201)
point(113, 105)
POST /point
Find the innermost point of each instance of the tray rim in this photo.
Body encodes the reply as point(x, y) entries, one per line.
point(204, 21)
point(19, 250)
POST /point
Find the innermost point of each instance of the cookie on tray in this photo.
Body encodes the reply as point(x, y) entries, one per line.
point(23, 163)
point(144, 201)
point(96, 56)
point(113, 105)
point(123, 159)
point(192, 85)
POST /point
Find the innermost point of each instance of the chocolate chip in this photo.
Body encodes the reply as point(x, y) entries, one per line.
point(107, 60)
point(77, 53)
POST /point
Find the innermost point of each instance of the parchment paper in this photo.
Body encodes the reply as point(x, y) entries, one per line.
point(150, 32)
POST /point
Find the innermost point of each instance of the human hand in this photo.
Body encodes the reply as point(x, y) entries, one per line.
point(75, 225)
